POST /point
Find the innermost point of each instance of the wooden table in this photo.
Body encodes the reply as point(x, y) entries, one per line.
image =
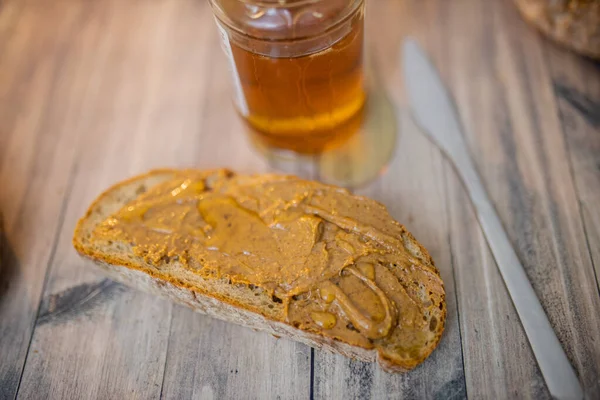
point(92, 92)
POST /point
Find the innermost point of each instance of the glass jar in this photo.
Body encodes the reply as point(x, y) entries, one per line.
point(297, 66)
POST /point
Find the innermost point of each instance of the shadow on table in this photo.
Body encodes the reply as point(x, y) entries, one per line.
point(8, 261)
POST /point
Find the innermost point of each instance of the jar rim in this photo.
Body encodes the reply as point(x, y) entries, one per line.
point(280, 3)
point(354, 5)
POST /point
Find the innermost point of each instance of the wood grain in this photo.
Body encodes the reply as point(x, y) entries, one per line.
point(576, 84)
point(93, 92)
point(498, 360)
point(208, 358)
point(442, 375)
point(36, 161)
point(109, 341)
point(508, 121)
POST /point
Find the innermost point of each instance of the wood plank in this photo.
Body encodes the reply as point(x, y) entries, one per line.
point(498, 360)
point(413, 190)
point(442, 374)
point(95, 338)
point(576, 318)
point(576, 83)
point(36, 158)
point(209, 358)
point(171, 106)
point(510, 114)
point(213, 359)
point(9, 17)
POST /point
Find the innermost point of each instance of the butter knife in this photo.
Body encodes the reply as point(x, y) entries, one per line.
point(435, 113)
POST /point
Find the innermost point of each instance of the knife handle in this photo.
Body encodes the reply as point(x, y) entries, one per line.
point(552, 360)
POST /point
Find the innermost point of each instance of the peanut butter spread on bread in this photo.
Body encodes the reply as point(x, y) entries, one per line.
point(337, 263)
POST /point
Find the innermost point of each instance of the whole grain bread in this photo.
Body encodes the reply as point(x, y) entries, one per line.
point(247, 305)
point(573, 23)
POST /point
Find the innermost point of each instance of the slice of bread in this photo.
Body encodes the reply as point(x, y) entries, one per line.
point(408, 344)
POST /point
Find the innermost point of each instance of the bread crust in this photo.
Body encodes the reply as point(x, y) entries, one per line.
point(151, 280)
point(572, 23)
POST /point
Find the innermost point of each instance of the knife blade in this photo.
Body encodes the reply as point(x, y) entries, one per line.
point(435, 112)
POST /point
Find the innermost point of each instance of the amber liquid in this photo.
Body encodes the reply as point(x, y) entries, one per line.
point(304, 103)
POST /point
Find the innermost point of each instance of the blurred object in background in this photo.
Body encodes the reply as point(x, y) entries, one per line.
point(297, 67)
point(572, 23)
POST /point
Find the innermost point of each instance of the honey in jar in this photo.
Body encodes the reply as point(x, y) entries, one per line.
point(297, 67)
